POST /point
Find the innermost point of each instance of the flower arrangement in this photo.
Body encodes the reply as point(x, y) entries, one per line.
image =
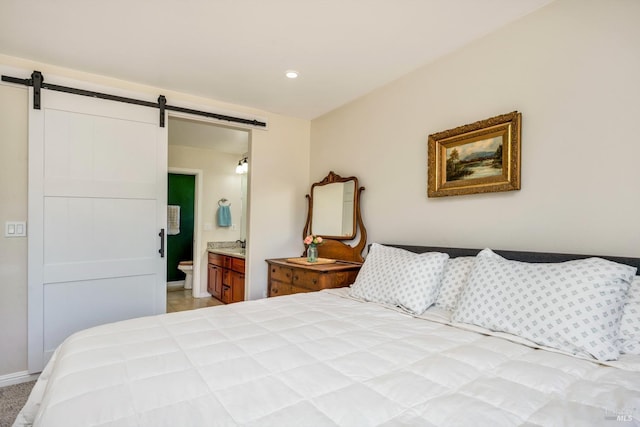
point(313, 240)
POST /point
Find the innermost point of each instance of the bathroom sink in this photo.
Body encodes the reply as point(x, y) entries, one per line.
point(229, 251)
point(239, 251)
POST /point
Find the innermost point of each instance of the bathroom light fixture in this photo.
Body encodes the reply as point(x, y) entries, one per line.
point(243, 166)
point(292, 74)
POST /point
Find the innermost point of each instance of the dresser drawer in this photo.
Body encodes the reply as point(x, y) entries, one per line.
point(281, 274)
point(306, 279)
point(344, 278)
point(279, 288)
point(301, 290)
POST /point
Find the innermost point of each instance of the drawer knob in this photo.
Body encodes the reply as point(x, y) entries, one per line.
point(295, 277)
point(273, 270)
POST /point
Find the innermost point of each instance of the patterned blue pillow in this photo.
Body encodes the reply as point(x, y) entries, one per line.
point(454, 279)
point(573, 306)
point(629, 341)
point(401, 278)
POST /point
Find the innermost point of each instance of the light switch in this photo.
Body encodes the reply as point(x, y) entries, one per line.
point(15, 229)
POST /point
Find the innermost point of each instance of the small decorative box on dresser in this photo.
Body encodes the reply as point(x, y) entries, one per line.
point(289, 278)
point(226, 278)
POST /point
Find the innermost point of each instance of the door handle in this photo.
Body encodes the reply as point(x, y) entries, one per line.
point(161, 250)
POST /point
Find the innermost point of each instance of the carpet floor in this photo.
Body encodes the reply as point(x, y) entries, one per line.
point(12, 399)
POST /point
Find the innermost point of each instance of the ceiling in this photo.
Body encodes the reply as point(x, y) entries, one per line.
point(237, 51)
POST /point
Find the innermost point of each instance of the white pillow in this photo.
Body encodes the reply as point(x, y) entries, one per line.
point(400, 278)
point(573, 306)
point(629, 341)
point(455, 277)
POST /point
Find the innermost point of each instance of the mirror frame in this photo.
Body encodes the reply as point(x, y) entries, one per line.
point(333, 247)
point(333, 179)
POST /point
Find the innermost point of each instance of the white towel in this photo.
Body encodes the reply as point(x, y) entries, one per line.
point(173, 220)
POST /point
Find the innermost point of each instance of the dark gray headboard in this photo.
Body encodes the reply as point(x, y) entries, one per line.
point(517, 255)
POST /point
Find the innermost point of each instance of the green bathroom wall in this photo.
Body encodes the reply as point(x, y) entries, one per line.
point(181, 192)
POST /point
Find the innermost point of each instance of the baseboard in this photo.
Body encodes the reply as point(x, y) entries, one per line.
point(17, 378)
point(175, 285)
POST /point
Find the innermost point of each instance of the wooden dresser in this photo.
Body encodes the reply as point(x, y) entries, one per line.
point(338, 219)
point(288, 278)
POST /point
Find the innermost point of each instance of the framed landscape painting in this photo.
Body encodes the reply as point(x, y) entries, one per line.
point(481, 157)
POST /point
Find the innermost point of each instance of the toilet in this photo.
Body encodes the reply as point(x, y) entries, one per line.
point(187, 268)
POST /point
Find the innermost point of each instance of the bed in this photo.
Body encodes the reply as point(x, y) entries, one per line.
point(341, 357)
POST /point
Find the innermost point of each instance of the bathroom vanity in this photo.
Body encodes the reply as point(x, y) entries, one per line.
point(226, 276)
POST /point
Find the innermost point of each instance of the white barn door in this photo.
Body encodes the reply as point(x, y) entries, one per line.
point(97, 203)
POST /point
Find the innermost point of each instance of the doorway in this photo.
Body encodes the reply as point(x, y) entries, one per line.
point(209, 153)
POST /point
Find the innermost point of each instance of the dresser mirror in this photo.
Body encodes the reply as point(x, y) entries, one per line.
point(334, 213)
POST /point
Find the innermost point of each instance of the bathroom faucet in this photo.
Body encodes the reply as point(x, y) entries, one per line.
point(243, 243)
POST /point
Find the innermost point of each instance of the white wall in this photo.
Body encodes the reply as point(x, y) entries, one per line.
point(572, 69)
point(277, 204)
point(13, 251)
point(278, 183)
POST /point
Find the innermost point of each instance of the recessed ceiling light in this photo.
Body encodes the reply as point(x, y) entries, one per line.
point(292, 74)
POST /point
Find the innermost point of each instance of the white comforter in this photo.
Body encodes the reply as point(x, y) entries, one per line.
point(318, 359)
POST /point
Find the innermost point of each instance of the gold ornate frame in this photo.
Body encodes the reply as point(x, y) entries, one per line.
point(453, 176)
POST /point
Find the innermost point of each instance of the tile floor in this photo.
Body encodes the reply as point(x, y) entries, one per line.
point(181, 300)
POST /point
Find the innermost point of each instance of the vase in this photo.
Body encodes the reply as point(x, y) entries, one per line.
point(312, 253)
